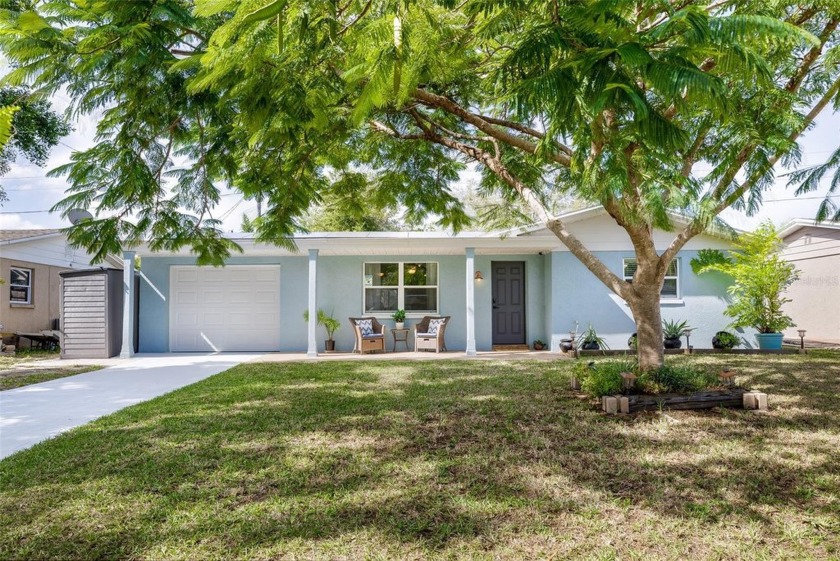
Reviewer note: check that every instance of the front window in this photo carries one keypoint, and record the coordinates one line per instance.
(411, 286)
(20, 286)
(671, 286)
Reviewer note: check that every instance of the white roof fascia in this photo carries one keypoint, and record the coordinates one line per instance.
(394, 243)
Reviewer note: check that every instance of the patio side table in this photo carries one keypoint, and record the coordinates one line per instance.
(400, 336)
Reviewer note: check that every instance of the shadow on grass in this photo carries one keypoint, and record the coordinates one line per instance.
(423, 457)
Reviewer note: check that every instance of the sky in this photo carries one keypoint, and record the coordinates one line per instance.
(31, 193)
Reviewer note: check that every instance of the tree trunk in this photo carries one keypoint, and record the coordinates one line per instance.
(648, 318)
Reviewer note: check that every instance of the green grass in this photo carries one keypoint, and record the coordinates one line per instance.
(448, 459)
(23, 368)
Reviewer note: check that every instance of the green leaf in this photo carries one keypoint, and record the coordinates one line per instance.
(208, 8)
(266, 12)
(6, 115)
(31, 21)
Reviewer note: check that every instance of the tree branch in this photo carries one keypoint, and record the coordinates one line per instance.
(357, 19)
(810, 58)
(440, 102)
(524, 130)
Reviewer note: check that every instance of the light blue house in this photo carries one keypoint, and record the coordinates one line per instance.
(499, 289)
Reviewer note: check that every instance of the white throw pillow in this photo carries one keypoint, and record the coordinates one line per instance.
(365, 326)
(434, 325)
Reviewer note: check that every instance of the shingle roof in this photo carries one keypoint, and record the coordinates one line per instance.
(10, 235)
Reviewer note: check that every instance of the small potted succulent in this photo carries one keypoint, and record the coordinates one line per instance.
(725, 340)
(399, 319)
(538, 345)
(672, 333)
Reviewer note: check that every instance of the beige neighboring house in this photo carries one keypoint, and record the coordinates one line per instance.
(30, 261)
(815, 298)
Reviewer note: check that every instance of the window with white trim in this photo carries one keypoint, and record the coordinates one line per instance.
(409, 286)
(671, 286)
(20, 286)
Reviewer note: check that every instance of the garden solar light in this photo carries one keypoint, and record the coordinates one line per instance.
(801, 338)
(727, 376)
(629, 379)
(687, 332)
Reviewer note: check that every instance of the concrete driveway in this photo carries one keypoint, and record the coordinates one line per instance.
(34, 413)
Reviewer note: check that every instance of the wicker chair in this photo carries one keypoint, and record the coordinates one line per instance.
(372, 342)
(426, 339)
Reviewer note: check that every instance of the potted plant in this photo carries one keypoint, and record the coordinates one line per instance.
(399, 319)
(760, 278)
(725, 340)
(589, 340)
(330, 324)
(538, 345)
(672, 332)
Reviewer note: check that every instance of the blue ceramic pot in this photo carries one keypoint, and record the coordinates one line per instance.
(769, 341)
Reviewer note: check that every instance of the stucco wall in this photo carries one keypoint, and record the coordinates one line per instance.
(340, 286)
(559, 292)
(580, 297)
(815, 297)
(45, 298)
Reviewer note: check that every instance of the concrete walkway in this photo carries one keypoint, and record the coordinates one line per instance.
(34, 413)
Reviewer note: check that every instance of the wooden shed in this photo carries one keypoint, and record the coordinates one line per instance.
(91, 313)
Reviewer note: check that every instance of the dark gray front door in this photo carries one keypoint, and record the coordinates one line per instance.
(508, 280)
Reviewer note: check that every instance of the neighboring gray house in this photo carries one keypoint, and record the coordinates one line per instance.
(815, 298)
(499, 289)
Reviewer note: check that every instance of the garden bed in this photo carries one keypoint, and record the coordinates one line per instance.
(708, 399)
(734, 398)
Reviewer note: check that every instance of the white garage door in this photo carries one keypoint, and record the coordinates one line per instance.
(234, 308)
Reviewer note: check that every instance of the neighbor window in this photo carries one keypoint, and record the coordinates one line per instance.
(412, 287)
(20, 286)
(671, 286)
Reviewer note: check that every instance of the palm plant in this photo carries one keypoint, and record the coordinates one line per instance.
(330, 324)
(760, 278)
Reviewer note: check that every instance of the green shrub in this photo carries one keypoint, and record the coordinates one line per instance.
(676, 378)
(725, 340)
(604, 378)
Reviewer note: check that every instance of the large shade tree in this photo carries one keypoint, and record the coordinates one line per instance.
(29, 128)
(614, 102)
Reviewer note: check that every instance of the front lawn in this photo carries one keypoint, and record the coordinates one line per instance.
(447, 459)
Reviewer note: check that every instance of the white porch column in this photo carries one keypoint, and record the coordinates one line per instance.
(312, 346)
(127, 350)
(470, 301)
